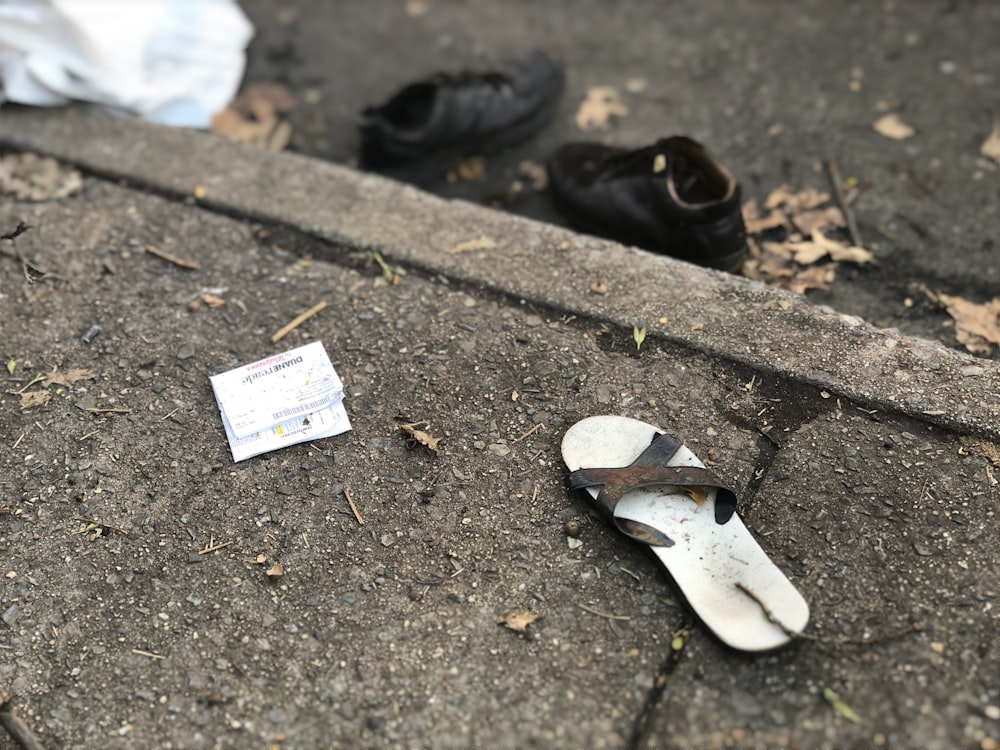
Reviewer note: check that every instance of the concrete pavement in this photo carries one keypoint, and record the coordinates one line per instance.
(861, 456)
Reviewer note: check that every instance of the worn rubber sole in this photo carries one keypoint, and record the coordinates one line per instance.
(727, 578)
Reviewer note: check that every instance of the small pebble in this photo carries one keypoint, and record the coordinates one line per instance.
(572, 528)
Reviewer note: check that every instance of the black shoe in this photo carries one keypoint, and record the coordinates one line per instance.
(671, 198)
(471, 114)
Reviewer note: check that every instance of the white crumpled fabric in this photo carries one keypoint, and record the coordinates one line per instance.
(174, 62)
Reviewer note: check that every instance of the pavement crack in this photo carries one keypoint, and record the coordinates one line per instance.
(642, 725)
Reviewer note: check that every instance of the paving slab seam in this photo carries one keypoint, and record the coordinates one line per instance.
(723, 316)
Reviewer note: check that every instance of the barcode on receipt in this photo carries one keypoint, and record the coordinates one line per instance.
(299, 409)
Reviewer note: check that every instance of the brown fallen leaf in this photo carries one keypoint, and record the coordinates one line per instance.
(469, 169)
(518, 621)
(891, 126)
(34, 178)
(991, 146)
(812, 219)
(597, 109)
(424, 438)
(68, 378)
(275, 571)
(819, 246)
(980, 447)
(814, 277)
(698, 494)
(777, 197)
(535, 172)
(756, 223)
(212, 301)
(31, 399)
(254, 117)
(976, 326)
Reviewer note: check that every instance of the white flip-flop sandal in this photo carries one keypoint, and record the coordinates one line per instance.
(657, 492)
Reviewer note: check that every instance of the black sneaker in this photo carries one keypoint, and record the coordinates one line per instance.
(672, 198)
(451, 116)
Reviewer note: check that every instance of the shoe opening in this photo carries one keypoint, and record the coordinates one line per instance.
(412, 107)
(697, 178)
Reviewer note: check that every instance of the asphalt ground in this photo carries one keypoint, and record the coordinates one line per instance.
(773, 89)
(864, 460)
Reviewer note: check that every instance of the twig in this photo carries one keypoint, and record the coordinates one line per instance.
(37, 379)
(150, 654)
(585, 608)
(297, 322)
(833, 172)
(26, 265)
(532, 431)
(101, 524)
(15, 727)
(354, 508)
(214, 547)
(108, 410)
(182, 262)
(20, 229)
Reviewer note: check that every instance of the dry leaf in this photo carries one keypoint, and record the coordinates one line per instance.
(982, 448)
(424, 438)
(698, 494)
(976, 326)
(779, 196)
(808, 252)
(275, 571)
(480, 243)
(470, 169)
(254, 116)
(68, 378)
(778, 249)
(844, 253)
(599, 107)
(814, 277)
(819, 218)
(809, 198)
(260, 559)
(212, 301)
(31, 399)
(819, 246)
(32, 178)
(773, 220)
(518, 621)
(892, 127)
(535, 172)
(991, 146)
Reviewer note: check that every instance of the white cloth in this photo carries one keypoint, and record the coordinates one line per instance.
(175, 62)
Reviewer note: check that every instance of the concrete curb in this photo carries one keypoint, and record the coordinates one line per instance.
(722, 315)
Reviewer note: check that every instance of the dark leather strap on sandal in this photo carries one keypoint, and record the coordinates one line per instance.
(650, 469)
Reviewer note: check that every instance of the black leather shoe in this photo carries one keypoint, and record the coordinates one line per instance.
(672, 198)
(470, 114)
